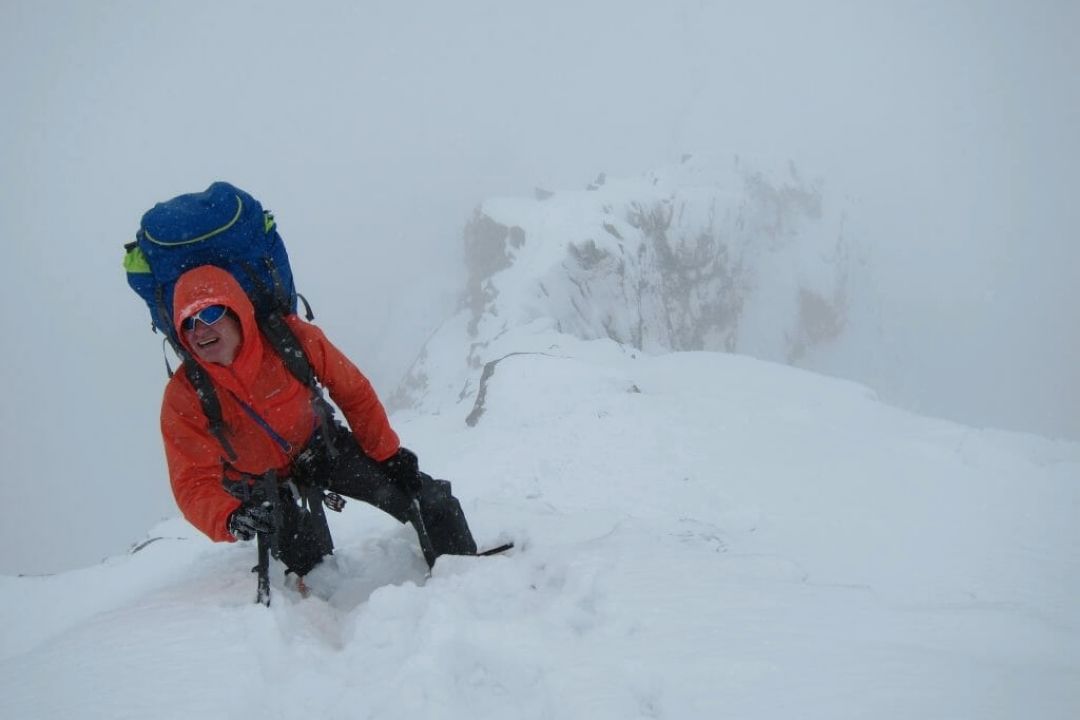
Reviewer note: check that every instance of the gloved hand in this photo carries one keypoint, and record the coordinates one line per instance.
(404, 469)
(249, 519)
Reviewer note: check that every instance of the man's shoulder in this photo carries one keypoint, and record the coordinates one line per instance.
(303, 329)
(179, 393)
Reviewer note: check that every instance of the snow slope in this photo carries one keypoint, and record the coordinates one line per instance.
(700, 535)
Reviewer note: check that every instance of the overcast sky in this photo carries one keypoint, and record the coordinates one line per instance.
(373, 129)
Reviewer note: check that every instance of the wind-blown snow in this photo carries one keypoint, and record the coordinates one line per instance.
(699, 535)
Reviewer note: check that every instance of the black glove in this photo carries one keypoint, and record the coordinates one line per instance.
(249, 519)
(404, 469)
(314, 465)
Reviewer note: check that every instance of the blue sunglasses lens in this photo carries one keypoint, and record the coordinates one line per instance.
(208, 315)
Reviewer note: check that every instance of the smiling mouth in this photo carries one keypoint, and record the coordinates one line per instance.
(207, 342)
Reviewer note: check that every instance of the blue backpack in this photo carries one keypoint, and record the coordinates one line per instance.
(226, 227)
(222, 226)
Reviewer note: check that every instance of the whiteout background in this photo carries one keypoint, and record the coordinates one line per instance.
(373, 130)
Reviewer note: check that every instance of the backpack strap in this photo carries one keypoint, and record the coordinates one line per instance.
(208, 398)
(284, 341)
(163, 317)
(308, 315)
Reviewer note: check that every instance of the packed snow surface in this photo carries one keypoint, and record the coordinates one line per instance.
(699, 535)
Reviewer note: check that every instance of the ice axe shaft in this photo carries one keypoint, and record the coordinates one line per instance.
(262, 595)
(417, 520)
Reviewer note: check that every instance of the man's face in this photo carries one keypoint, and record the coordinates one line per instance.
(217, 343)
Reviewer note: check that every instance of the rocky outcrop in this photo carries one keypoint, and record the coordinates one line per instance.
(692, 257)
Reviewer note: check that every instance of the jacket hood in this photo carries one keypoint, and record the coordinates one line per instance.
(209, 285)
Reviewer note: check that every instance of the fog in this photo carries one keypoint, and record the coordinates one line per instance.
(373, 129)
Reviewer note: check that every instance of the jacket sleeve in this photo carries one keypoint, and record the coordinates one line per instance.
(350, 390)
(194, 459)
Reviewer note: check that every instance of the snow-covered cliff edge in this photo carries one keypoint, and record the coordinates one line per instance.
(689, 257)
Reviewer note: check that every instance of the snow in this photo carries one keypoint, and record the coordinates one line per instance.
(699, 535)
(721, 254)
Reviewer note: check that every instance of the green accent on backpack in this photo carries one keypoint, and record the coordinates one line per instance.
(135, 261)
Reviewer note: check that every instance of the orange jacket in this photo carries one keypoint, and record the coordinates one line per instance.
(259, 378)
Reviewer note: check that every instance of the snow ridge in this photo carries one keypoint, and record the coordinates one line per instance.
(696, 256)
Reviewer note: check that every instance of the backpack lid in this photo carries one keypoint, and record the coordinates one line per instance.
(196, 216)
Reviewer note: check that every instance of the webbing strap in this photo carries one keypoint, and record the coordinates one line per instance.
(282, 442)
(165, 355)
(307, 307)
(288, 347)
(211, 406)
(163, 319)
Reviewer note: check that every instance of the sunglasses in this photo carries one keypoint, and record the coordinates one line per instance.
(208, 316)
